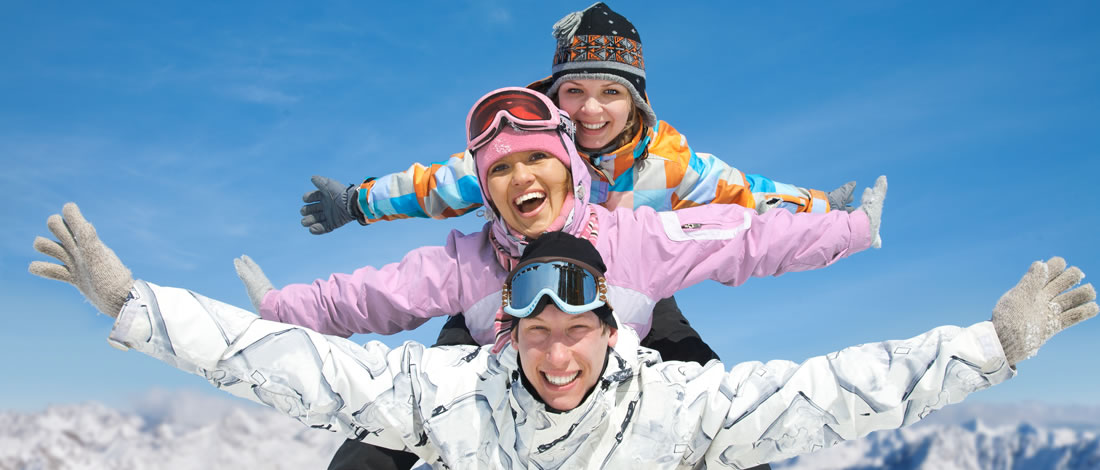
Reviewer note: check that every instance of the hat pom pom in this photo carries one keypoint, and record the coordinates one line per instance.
(566, 27)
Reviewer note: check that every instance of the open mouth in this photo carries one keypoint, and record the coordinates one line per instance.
(594, 127)
(526, 203)
(561, 381)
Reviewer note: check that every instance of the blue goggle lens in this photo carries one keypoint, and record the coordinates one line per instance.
(572, 288)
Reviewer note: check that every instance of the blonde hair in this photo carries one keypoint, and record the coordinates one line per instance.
(631, 129)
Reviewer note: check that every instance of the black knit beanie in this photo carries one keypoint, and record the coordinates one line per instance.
(599, 44)
(563, 245)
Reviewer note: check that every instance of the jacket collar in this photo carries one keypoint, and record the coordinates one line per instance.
(616, 162)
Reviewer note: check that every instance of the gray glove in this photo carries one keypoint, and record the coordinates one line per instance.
(86, 262)
(841, 198)
(1038, 308)
(255, 282)
(871, 203)
(330, 206)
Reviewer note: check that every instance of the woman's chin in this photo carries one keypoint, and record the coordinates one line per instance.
(533, 223)
(534, 231)
(592, 142)
(528, 228)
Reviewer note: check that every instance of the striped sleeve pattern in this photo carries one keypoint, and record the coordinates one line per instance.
(438, 191)
(674, 176)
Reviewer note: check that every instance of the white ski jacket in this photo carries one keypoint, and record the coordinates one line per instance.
(463, 407)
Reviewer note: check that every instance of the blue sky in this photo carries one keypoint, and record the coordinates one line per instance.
(188, 132)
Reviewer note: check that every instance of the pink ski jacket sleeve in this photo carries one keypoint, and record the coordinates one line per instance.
(722, 242)
(428, 282)
(650, 255)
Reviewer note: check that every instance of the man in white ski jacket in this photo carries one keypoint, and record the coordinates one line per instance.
(586, 395)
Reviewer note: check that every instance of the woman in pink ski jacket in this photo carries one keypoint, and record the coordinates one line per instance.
(534, 181)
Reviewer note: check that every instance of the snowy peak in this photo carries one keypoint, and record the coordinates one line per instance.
(94, 436)
(971, 445)
(188, 430)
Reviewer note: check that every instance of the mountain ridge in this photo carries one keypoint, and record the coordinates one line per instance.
(187, 430)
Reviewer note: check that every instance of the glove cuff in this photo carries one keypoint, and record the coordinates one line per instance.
(1019, 341)
(352, 204)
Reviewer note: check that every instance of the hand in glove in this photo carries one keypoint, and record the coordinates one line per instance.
(86, 262)
(331, 206)
(255, 282)
(841, 198)
(871, 203)
(1038, 307)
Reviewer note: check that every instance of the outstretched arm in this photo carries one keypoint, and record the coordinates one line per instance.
(764, 412)
(767, 412)
(709, 180)
(399, 296)
(364, 392)
(706, 179)
(770, 194)
(439, 190)
(730, 244)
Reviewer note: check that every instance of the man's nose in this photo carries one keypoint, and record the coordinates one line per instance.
(558, 355)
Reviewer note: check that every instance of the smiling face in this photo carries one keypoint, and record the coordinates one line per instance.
(562, 354)
(528, 189)
(601, 109)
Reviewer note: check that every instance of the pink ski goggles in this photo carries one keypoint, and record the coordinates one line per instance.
(522, 108)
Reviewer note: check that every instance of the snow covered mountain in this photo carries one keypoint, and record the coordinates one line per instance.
(970, 446)
(188, 430)
(167, 430)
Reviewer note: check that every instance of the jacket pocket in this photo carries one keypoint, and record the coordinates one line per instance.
(691, 224)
